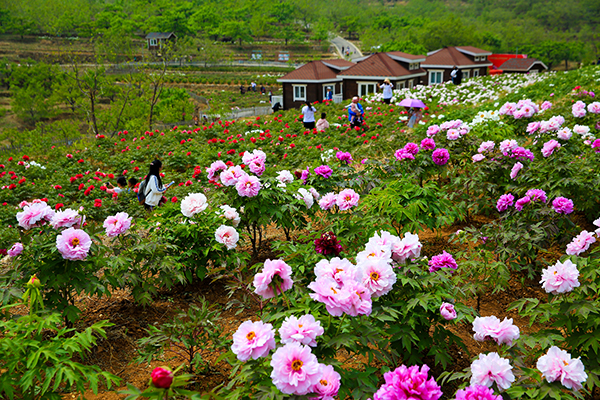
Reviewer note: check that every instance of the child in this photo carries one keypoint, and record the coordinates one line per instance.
(322, 124)
(131, 184)
(355, 113)
(121, 183)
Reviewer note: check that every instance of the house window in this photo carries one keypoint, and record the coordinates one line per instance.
(475, 73)
(476, 58)
(401, 85)
(436, 77)
(153, 42)
(364, 88)
(466, 73)
(482, 58)
(410, 84)
(299, 92)
(412, 66)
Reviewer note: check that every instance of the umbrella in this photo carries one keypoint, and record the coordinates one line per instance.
(412, 103)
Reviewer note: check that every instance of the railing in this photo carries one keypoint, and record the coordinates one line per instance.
(249, 112)
(338, 98)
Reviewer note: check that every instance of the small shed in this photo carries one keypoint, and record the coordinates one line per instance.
(156, 40)
(523, 66)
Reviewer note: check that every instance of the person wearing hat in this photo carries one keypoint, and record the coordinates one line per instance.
(387, 87)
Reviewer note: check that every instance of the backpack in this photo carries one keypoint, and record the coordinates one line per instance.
(141, 194)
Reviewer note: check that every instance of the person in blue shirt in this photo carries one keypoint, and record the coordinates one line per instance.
(329, 94)
(355, 113)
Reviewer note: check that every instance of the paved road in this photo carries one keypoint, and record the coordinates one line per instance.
(340, 42)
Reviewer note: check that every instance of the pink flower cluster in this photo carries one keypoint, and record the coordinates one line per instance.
(549, 147)
(275, 275)
(253, 340)
(560, 278)
(578, 109)
(557, 365)
(35, 214)
(477, 392)
(581, 243)
(491, 328)
(117, 224)
(345, 200)
(444, 260)
(255, 161)
(73, 244)
(552, 125)
(408, 383)
(491, 368)
(523, 109)
(562, 205)
(228, 236)
(193, 204)
(505, 201)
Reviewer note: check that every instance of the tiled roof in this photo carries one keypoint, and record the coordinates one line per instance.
(520, 64)
(473, 50)
(450, 56)
(159, 35)
(339, 62)
(313, 71)
(379, 65)
(407, 56)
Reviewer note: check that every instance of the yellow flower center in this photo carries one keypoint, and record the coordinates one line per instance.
(555, 272)
(250, 335)
(333, 290)
(347, 198)
(300, 326)
(75, 242)
(323, 382)
(566, 363)
(374, 276)
(297, 365)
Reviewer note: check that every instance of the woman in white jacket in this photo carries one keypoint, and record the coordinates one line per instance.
(154, 188)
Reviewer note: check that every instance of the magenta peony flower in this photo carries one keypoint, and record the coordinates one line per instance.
(477, 392)
(328, 244)
(275, 273)
(73, 244)
(447, 311)
(427, 144)
(402, 154)
(519, 204)
(378, 276)
(303, 330)
(433, 130)
(440, 156)
(515, 170)
(344, 157)
(162, 377)
(411, 148)
(491, 368)
(328, 385)
(347, 199)
(490, 328)
(15, 250)
(231, 175)
(444, 260)
(192, 204)
(549, 147)
(408, 383)
(66, 219)
(324, 170)
(117, 224)
(228, 236)
(560, 278)
(328, 201)
(580, 243)
(562, 205)
(253, 340)
(486, 147)
(536, 194)
(295, 369)
(248, 186)
(557, 364)
(505, 201)
(34, 215)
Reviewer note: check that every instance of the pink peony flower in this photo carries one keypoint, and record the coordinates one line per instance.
(536, 194)
(324, 170)
(408, 383)
(564, 133)
(303, 330)
(344, 157)
(549, 147)
(453, 134)
(34, 215)
(378, 277)
(257, 167)
(478, 157)
(486, 147)
(515, 170)
(447, 311)
(231, 176)
(444, 260)
(295, 369)
(248, 186)
(329, 292)
(477, 392)
(557, 364)
(402, 154)
(275, 273)
(407, 248)
(117, 224)
(162, 377)
(285, 176)
(433, 130)
(440, 156)
(532, 127)
(491, 368)
(562, 205)
(305, 196)
(231, 214)
(15, 250)
(505, 201)
(490, 328)
(328, 385)
(594, 107)
(228, 236)
(253, 340)
(214, 169)
(356, 299)
(546, 105)
(508, 145)
(328, 201)
(73, 244)
(560, 278)
(427, 144)
(347, 199)
(256, 155)
(522, 202)
(581, 243)
(337, 269)
(66, 219)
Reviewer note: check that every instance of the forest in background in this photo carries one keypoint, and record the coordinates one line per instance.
(553, 31)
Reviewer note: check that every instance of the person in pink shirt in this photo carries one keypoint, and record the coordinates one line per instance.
(322, 123)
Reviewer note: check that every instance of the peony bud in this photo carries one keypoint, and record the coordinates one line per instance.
(162, 377)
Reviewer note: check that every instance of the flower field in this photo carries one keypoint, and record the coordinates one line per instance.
(347, 263)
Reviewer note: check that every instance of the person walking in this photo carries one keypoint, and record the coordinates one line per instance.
(388, 93)
(453, 74)
(308, 112)
(415, 117)
(153, 188)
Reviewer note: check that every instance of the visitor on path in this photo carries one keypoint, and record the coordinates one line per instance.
(329, 94)
(262, 90)
(153, 188)
(415, 117)
(253, 85)
(322, 123)
(388, 93)
(355, 113)
(242, 89)
(308, 112)
(121, 184)
(456, 75)
(342, 50)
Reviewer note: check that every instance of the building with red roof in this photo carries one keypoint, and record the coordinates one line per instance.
(470, 60)
(523, 66)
